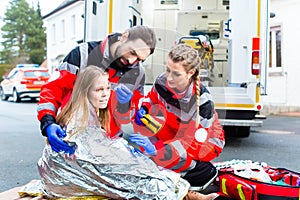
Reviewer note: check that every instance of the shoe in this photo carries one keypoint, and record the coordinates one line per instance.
(202, 188)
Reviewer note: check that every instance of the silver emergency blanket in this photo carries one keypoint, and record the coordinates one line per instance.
(106, 167)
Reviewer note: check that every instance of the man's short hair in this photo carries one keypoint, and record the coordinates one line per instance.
(144, 33)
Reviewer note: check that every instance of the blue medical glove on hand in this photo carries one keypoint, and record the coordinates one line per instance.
(144, 142)
(124, 94)
(55, 134)
(134, 151)
(138, 115)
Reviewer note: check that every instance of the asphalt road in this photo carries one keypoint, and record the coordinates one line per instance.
(277, 143)
(21, 144)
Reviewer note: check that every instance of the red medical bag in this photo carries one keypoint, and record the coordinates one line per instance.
(284, 184)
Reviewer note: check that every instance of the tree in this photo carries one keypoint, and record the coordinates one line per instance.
(36, 41)
(23, 33)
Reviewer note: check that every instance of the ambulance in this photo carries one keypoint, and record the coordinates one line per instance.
(237, 31)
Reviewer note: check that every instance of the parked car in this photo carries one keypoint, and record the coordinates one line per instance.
(23, 83)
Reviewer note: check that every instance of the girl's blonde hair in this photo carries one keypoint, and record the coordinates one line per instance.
(191, 61)
(78, 105)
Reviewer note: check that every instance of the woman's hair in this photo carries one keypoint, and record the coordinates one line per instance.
(144, 33)
(190, 59)
(78, 105)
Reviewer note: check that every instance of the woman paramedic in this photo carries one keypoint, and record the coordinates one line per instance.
(191, 135)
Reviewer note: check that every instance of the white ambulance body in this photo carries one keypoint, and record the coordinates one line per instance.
(106, 16)
(238, 31)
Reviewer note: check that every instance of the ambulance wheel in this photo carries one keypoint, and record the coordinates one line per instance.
(237, 131)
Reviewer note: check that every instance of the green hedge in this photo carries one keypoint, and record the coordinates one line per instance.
(4, 69)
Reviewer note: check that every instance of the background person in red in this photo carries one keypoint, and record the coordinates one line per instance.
(120, 55)
(191, 135)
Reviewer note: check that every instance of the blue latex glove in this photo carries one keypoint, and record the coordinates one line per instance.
(138, 115)
(134, 151)
(55, 134)
(124, 94)
(144, 142)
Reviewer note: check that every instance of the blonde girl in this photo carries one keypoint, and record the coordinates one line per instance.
(102, 166)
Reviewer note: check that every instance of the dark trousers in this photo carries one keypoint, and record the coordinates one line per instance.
(201, 174)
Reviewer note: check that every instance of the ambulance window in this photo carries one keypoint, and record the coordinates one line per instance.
(134, 20)
(225, 2)
(94, 8)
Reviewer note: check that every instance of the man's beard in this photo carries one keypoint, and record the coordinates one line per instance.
(116, 64)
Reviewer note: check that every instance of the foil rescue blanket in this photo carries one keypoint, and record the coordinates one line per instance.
(106, 167)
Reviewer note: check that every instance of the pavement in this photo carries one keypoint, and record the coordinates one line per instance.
(289, 114)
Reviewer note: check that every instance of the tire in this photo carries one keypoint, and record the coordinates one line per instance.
(16, 97)
(237, 131)
(33, 99)
(2, 95)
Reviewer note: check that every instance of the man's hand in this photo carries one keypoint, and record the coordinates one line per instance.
(55, 134)
(124, 94)
(138, 115)
(144, 142)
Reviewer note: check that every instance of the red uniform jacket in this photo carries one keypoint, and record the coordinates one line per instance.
(179, 143)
